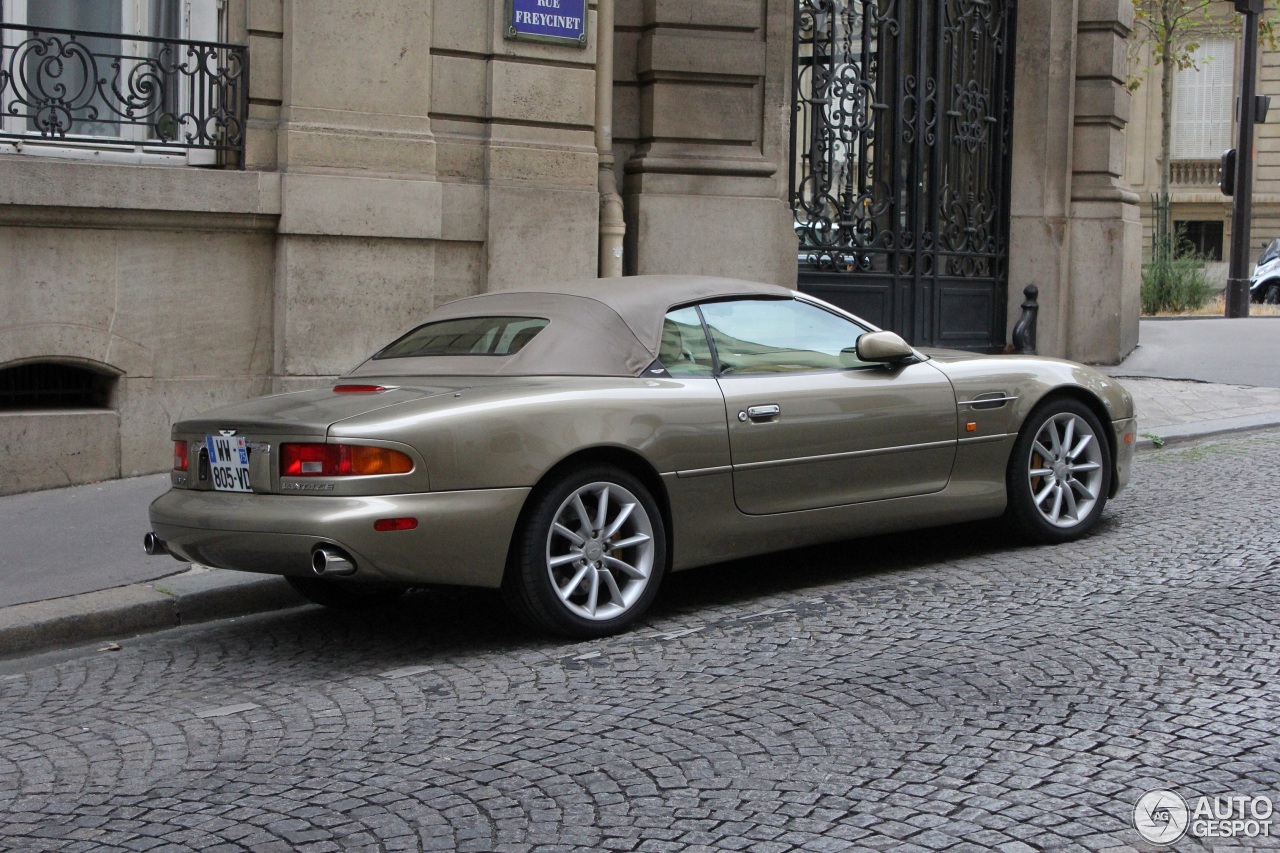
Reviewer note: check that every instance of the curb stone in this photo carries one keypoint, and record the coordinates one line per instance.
(1174, 433)
(197, 595)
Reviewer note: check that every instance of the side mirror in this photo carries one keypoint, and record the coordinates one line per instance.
(883, 347)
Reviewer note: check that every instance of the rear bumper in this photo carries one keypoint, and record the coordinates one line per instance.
(1126, 439)
(461, 538)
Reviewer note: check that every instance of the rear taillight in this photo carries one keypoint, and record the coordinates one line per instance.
(341, 460)
(179, 456)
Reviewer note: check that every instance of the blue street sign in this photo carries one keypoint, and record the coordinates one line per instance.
(559, 21)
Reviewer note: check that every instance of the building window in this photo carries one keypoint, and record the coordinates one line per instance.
(1203, 237)
(1203, 97)
(50, 385)
(127, 80)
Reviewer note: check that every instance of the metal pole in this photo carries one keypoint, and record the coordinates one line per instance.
(613, 226)
(1242, 215)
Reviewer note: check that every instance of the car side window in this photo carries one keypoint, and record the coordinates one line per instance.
(684, 350)
(780, 336)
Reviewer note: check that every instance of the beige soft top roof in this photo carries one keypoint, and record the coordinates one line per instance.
(597, 327)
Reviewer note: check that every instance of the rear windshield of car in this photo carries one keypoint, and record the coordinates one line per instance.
(467, 336)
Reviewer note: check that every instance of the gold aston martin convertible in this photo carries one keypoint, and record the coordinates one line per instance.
(570, 444)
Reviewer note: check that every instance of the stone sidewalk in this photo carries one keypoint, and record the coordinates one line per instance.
(1177, 409)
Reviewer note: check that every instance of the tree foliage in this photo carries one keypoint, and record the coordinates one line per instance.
(1172, 29)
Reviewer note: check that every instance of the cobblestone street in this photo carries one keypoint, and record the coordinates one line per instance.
(950, 689)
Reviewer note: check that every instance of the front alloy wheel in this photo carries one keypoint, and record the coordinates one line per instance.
(1060, 472)
(590, 556)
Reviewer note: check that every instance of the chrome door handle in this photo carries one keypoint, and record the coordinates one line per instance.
(763, 413)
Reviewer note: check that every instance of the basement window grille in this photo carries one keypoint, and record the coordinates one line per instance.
(49, 385)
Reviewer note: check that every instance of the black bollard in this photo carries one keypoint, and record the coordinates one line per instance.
(1024, 331)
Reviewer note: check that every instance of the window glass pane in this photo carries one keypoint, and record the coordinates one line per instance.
(101, 16)
(838, 61)
(467, 336)
(162, 61)
(1199, 237)
(63, 82)
(164, 19)
(779, 336)
(684, 350)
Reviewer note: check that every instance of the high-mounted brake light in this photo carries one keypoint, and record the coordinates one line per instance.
(359, 389)
(179, 456)
(341, 460)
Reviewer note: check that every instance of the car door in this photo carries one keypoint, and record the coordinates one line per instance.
(810, 425)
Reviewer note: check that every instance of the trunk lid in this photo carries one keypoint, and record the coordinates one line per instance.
(303, 413)
(253, 431)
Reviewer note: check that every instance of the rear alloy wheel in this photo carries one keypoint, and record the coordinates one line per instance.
(1059, 473)
(344, 595)
(589, 556)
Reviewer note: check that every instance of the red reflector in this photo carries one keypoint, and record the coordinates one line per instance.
(382, 525)
(358, 389)
(307, 460)
(179, 456)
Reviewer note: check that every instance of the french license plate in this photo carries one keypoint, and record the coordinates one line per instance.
(228, 463)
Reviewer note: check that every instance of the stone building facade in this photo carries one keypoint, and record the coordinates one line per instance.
(1205, 126)
(402, 153)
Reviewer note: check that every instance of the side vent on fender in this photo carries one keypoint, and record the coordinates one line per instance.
(989, 400)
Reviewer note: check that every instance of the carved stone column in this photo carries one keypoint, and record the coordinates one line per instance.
(1106, 229)
(1040, 196)
(360, 203)
(705, 186)
(1074, 229)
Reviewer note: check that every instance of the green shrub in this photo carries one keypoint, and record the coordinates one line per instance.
(1174, 282)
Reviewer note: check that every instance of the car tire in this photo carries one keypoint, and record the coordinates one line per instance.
(344, 595)
(588, 555)
(1059, 474)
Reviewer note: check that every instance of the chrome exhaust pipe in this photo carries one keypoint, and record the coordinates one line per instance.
(330, 561)
(154, 546)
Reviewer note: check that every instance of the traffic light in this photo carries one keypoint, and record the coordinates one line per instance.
(1227, 173)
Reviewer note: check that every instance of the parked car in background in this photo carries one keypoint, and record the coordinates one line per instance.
(1265, 284)
(571, 444)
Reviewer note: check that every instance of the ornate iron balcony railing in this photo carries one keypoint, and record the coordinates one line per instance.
(64, 85)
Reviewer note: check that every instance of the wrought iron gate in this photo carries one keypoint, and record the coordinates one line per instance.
(900, 163)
